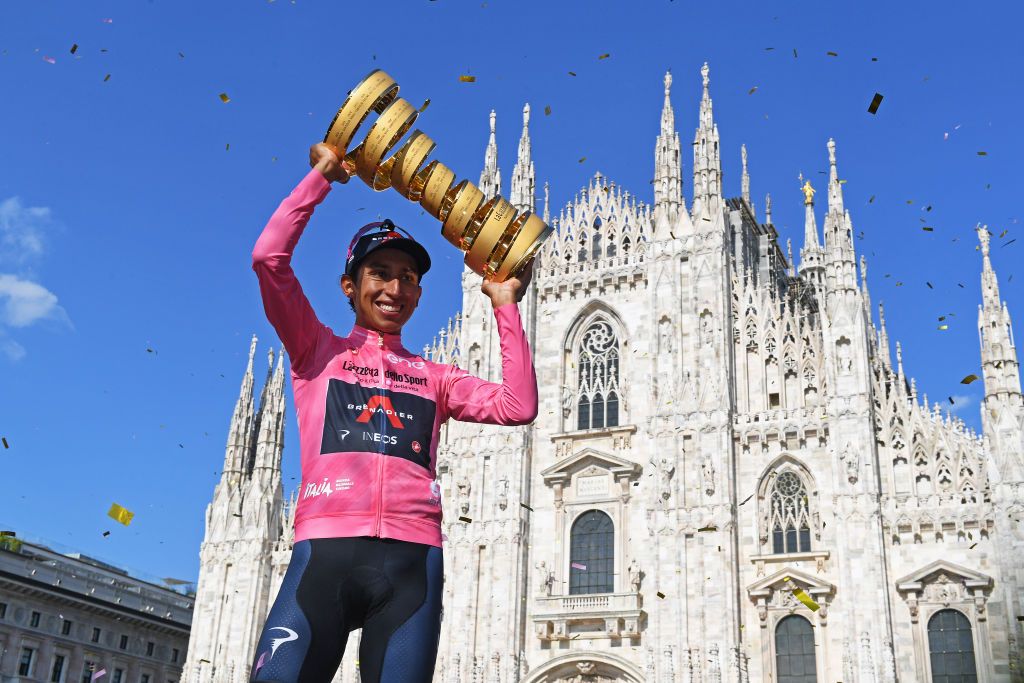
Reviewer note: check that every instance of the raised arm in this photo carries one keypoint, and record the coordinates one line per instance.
(286, 306)
(514, 400)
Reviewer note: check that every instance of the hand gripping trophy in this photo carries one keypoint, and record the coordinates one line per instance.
(498, 241)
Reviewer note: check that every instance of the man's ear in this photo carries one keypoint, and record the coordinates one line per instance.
(348, 285)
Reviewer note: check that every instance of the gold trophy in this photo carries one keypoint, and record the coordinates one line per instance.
(498, 240)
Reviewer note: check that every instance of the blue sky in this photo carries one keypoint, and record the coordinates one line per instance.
(129, 206)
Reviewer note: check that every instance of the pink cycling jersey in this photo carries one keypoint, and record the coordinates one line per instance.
(369, 410)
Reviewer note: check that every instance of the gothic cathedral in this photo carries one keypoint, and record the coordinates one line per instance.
(730, 478)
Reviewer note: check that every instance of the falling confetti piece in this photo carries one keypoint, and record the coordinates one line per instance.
(752, 90)
(874, 59)
(803, 597)
(108, 21)
(4, 439)
(227, 146)
(1008, 243)
(524, 505)
(106, 78)
(982, 154)
(661, 595)
(99, 674)
(582, 159)
(467, 79)
(973, 546)
(930, 286)
(577, 565)
(426, 103)
(572, 73)
(875, 101)
(120, 514)
(547, 111)
(832, 54)
(943, 327)
(106, 533)
(927, 229)
(465, 519)
(182, 55)
(747, 498)
(794, 53)
(51, 60)
(968, 379)
(224, 98)
(74, 48)
(951, 401)
(606, 55)
(871, 199)
(708, 528)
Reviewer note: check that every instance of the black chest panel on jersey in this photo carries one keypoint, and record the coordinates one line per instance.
(377, 420)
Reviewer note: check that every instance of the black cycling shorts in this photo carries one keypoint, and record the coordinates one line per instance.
(391, 589)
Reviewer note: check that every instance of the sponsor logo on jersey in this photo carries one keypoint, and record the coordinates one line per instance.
(368, 419)
(418, 364)
(275, 643)
(326, 487)
(360, 370)
(404, 378)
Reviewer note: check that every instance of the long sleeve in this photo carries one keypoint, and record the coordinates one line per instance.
(286, 306)
(514, 401)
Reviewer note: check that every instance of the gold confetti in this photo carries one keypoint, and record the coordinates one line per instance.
(463, 518)
(929, 285)
(227, 146)
(746, 499)
(4, 439)
(707, 528)
(547, 111)
(803, 597)
(526, 506)
(794, 53)
(871, 199)
(105, 534)
(982, 154)
(467, 79)
(968, 379)
(224, 98)
(927, 229)
(74, 48)
(661, 595)
(106, 78)
(752, 90)
(582, 159)
(832, 54)
(973, 546)
(875, 101)
(951, 401)
(943, 327)
(122, 515)
(426, 103)
(572, 73)
(606, 55)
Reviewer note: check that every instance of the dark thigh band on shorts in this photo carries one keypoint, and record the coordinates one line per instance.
(390, 589)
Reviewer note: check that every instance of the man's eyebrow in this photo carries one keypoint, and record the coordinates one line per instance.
(383, 264)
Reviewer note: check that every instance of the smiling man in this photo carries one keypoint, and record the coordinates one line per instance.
(367, 550)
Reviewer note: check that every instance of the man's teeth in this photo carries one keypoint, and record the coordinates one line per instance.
(389, 308)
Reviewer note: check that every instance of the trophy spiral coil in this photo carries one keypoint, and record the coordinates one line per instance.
(498, 240)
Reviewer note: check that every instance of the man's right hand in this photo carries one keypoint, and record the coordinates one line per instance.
(326, 159)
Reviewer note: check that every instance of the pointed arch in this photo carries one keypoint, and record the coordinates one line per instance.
(593, 351)
(787, 507)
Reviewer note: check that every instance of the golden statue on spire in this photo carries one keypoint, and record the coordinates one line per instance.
(808, 192)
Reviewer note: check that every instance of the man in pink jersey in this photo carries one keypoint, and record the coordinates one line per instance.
(367, 550)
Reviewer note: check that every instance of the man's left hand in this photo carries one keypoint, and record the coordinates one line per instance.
(511, 290)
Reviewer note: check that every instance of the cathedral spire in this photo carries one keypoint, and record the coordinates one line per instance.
(768, 210)
(883, 335)
(789, 257)
(490, 177)
(523, 183)
(547, 214)
(835, 188)
(239, 433)
(811, 256)
(864, 287)
(668, 192)
(1003, 412)
(270, 441)
(745, 179)
(707, 163)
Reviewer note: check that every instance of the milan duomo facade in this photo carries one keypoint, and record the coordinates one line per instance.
(731, 478)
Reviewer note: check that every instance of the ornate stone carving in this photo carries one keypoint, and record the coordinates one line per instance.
(635, 575)
(707, 475)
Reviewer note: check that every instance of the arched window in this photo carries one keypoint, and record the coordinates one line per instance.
(598, 383)
(592, 554)
(952, 648)
(794, 651)
(790, 520)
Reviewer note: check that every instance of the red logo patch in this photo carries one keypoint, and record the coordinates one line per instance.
(381, 403)
(416, 446)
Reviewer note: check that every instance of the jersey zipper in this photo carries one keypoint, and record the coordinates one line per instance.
(384, 431)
